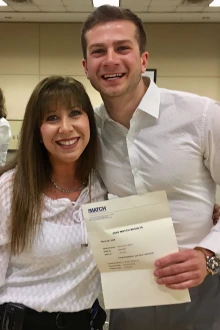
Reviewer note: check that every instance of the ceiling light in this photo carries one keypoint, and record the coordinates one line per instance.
(215, 3)
(98, 3)
(2, 3)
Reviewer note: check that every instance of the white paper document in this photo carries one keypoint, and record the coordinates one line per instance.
(127, 236)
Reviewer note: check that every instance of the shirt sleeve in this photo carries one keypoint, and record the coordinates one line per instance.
(5, 246)
(212, 163)
(212, 141)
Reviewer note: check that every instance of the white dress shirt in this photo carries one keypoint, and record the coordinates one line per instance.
(173, 144)
(5, 135)
(57, 274)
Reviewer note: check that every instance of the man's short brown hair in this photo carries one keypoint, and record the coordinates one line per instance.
(108, 13)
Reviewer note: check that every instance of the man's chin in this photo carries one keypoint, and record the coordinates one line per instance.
(110, 93)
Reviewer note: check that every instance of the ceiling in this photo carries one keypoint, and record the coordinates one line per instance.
(77, 10)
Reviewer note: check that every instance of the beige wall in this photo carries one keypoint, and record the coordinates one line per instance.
(187, 57)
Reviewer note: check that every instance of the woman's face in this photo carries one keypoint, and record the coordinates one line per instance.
(65, 134)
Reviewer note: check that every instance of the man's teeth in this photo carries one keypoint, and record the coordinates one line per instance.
(67, 143)
(113, 76)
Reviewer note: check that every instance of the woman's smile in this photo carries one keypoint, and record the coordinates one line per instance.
(68, 143)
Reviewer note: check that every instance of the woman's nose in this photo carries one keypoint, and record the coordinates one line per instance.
(66, 125)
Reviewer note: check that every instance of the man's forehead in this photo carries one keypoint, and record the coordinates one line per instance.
(115, 42)
(116, 31)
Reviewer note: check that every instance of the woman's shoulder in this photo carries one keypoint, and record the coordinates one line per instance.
(6, 190)
(6, 179)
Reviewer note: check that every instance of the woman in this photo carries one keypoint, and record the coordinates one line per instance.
(5, 132)
(48, 278)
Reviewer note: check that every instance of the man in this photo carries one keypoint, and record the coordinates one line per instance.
(157, 139)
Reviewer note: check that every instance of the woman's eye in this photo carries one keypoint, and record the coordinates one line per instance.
(75, 113)
(51, 118)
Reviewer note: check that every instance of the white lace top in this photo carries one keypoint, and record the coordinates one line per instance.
(57, 274)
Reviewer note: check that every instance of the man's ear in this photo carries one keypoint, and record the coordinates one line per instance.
(85, 67)
(144, 61)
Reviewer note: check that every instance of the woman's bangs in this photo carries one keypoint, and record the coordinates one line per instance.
(63, 98)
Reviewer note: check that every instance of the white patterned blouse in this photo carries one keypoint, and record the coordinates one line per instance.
(58, 273)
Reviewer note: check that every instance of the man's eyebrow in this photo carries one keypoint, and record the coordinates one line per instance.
(96, 45)
(116, 42)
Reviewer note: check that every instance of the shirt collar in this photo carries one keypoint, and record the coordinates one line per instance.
(150, 102)
(104, 113)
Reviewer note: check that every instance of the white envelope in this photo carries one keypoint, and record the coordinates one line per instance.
(127, 235)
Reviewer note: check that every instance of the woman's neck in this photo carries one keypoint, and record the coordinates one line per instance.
(63, 183)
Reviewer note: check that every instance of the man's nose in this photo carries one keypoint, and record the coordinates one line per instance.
(111, 57)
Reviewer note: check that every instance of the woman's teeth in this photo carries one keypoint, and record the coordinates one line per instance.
(67, 143)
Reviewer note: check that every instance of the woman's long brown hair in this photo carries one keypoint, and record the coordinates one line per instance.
(33, 167)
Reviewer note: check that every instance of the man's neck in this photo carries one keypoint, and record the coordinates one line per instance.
(121, 108)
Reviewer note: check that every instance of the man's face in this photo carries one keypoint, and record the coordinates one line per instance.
(114, 63)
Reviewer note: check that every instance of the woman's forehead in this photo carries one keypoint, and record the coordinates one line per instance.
(62, 96)
(61, 107)
(56, 103)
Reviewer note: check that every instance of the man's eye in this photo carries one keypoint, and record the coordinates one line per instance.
(121, 48)
(51, 118)
(98, 51)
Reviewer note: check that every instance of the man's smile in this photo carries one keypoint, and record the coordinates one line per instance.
(113, 76)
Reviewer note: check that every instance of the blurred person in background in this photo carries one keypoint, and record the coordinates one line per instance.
(5, 131)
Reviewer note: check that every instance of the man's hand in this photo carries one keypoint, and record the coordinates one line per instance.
(181, 270)
(216, 214)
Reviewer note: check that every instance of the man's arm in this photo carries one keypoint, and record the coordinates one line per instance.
(198, 272)
(187, 268)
